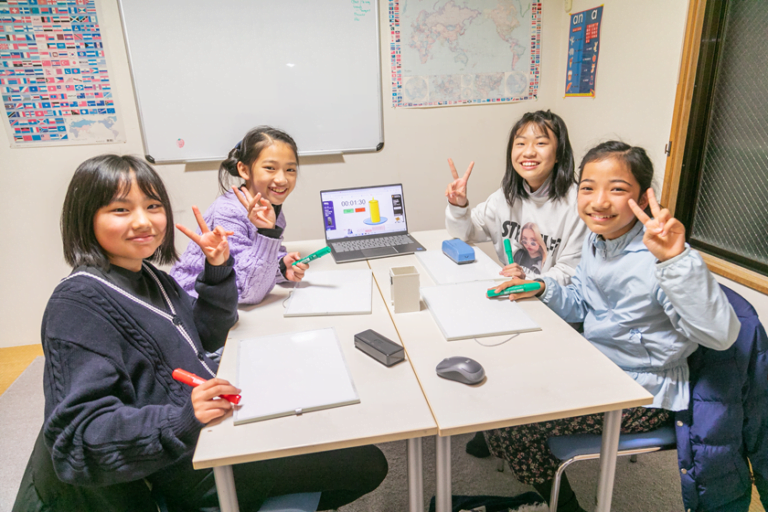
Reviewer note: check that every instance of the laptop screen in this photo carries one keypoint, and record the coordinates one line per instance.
(354, 212)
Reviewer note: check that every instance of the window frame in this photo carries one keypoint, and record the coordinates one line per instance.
(693, 100)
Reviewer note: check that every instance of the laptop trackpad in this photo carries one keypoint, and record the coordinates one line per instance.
(378, 251)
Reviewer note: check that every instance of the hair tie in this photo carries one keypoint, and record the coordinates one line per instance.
(239, 150)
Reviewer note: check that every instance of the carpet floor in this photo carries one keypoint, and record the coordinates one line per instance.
(650, 484)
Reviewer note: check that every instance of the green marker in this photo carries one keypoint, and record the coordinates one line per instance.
(508, 250)
(322, 252)
(526, 287)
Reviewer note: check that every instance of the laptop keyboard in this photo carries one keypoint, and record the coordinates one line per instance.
(371, 243)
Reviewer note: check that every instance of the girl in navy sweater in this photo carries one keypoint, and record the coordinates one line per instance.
(113, 332)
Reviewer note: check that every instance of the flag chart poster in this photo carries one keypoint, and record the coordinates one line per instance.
(583, 50)
(464, 52)
(54, 81)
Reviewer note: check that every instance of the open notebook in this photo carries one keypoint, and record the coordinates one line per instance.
(463, 311)
(292, 373)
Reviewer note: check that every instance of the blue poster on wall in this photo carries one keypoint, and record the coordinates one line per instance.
(583, 49)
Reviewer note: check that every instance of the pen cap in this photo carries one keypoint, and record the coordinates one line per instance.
(508, 251)
(186, 377)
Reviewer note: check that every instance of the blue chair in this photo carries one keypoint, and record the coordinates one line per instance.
(299, 502)
(573, 448)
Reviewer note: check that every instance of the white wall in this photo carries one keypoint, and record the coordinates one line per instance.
(636, 83)
(640, 48)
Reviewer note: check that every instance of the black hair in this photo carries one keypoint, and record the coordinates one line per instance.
(248, 150)
(95, 184)
(563, 171)
(635, 158)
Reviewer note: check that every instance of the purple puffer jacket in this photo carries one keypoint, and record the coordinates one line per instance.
(257, 257)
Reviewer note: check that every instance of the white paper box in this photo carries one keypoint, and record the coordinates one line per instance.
(404, 286)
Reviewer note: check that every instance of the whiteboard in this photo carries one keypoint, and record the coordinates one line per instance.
(463, 311)
(443, 270)
(204, 73)
(292, 373)
(332, 292)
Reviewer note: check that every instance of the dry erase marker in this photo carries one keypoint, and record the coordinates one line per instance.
(518, 288)
(193, 380)
(322, 252)
(508, 250)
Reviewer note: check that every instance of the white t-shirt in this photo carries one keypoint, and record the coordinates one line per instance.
(560, 228)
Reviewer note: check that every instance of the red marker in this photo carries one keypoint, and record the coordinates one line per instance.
(193, 380)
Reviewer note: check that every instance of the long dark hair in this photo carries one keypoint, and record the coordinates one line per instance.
(96, 183)
(248, 150)
(634, 157)
(562, 174)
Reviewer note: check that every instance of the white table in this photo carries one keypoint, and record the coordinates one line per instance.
(392, 406)
(538, 376)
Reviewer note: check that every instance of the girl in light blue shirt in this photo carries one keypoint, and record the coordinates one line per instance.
(646, 298)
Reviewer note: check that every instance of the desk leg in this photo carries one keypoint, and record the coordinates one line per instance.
(608, 455)
(415, 476)
(443, 494)
(225, 488)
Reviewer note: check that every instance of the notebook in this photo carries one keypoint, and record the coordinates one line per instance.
(463, 311)
(367, 223)
(331, 292)
(292, 373)
(443, 270)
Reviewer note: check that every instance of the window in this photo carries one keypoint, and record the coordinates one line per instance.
(718, 184)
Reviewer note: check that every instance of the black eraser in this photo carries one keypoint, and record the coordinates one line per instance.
(379, 347)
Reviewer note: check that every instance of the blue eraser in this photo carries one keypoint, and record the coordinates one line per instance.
(458, 251)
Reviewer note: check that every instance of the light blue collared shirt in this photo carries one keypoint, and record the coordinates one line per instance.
(645, 316)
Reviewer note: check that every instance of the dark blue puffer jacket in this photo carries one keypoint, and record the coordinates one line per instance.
(727, 420)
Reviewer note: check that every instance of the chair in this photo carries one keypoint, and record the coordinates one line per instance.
(299, 502)
(573, 448)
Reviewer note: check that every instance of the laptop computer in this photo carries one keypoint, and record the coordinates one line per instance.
(367, 223)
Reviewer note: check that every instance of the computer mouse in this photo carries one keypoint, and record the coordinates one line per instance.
(461, 369)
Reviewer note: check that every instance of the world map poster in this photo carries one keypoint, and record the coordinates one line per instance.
(54, 80)
(454, 52)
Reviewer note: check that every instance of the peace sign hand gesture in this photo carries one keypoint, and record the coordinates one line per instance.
(457, 189)
(260, 211)
(664, 234)
(213, 243)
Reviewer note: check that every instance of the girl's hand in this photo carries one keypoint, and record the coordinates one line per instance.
(513, 270)
(213, 243)
(457, 189)
(523, 295)
(294, 272)
(664, 234)
(260, 211)
(206, 402)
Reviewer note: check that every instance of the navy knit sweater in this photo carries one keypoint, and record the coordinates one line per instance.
(113, 413)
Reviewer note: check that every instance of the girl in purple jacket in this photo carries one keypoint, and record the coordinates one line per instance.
(267, 159)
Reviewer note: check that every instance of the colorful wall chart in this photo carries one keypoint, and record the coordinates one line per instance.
(583, 49)
(53, 74)
(460, 52)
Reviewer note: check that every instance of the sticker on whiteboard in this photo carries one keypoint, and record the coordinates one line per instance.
(180, 143)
